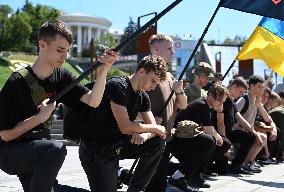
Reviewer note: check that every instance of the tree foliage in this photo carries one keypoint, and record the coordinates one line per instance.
(19, 30)
(105, 41)
(130, 48)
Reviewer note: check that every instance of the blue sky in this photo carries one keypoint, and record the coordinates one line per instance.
(188, 18)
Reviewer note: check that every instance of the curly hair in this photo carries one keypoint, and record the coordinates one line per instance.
(154, 63)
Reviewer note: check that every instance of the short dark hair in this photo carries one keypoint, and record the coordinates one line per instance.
(154, 63)
(281, 94)
(218, 90)
(50, 29)
(254, 79)
(239, 82)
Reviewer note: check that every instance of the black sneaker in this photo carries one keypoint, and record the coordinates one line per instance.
(181, 184)
(238, 171)
(125, 177)
(251, 168)
(198, 182)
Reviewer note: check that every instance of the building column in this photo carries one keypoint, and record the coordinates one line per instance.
(89, 34)
(79, 39)
(98, 33)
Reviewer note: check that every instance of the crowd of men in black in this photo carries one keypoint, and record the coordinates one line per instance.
(214, 132)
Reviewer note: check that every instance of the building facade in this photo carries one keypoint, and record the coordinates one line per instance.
(85, 27)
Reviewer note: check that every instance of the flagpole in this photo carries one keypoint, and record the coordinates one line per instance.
(228, 70)
(116, 49)
(192, 54)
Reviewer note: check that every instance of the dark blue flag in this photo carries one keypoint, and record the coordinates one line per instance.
(268, 8)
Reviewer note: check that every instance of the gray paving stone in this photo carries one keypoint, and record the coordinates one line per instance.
(271, 179)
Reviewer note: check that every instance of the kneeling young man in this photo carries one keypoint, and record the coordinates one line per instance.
(111, 133)
(194, 153)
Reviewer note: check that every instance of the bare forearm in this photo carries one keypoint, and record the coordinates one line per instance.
(21, 128)
(181, 101)
(136, 127)
(93, 98)
(221, 130)
(244, 123)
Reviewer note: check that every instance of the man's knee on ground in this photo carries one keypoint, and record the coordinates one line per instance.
(57, 150)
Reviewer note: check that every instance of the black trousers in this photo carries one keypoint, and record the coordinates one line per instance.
(221, 162)
(192, 153)
(246, 140)
(158, 182)
(36, 163)
(102, 172)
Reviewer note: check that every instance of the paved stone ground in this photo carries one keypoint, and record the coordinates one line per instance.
(271, 179)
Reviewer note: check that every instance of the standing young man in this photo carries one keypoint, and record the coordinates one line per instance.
(112, 134)
(25, 148)
(162, 45)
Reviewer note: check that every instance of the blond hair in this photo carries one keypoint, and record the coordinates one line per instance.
(159, 38)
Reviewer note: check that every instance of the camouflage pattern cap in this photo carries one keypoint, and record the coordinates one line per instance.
(204, 69)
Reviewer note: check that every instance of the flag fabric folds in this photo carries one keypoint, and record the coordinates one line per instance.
(266, 43)
(267, 8)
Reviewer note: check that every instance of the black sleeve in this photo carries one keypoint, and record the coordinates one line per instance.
(73, 96)
(205, 116)
(116, 91)
(146, 103)
(16, 103)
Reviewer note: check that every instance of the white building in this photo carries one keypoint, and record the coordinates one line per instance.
(84, 28)
(183, 50)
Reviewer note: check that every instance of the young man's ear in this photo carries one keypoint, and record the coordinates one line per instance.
(141, 70)
(41, 44)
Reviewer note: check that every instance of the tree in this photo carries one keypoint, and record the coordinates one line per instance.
(228, 41)
(130, 48)
(39, 15)
(105, 41)
(5, 26)
(20, 31)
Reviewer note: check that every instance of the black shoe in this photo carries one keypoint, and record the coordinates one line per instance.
(181, 184)
(239, 170)
(198, 182)
(251, 168)
(125, 177)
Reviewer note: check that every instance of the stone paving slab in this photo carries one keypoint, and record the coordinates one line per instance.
(271, 179)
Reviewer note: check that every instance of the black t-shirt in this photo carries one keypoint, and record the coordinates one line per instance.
(101, 125)
(197, 111)
(229, 110)
(16, 103)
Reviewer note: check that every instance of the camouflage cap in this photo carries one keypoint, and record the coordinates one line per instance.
(204, 69)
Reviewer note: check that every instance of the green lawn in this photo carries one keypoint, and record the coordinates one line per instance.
(4, 71)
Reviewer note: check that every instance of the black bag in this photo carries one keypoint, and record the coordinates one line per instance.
(75, 119)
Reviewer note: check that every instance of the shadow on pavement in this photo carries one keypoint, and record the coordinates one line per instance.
(66, 188)
(265, 183)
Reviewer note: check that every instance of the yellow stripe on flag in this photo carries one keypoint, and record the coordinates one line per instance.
(264, 45)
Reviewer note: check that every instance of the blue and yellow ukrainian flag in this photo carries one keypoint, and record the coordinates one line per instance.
(266, 43)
